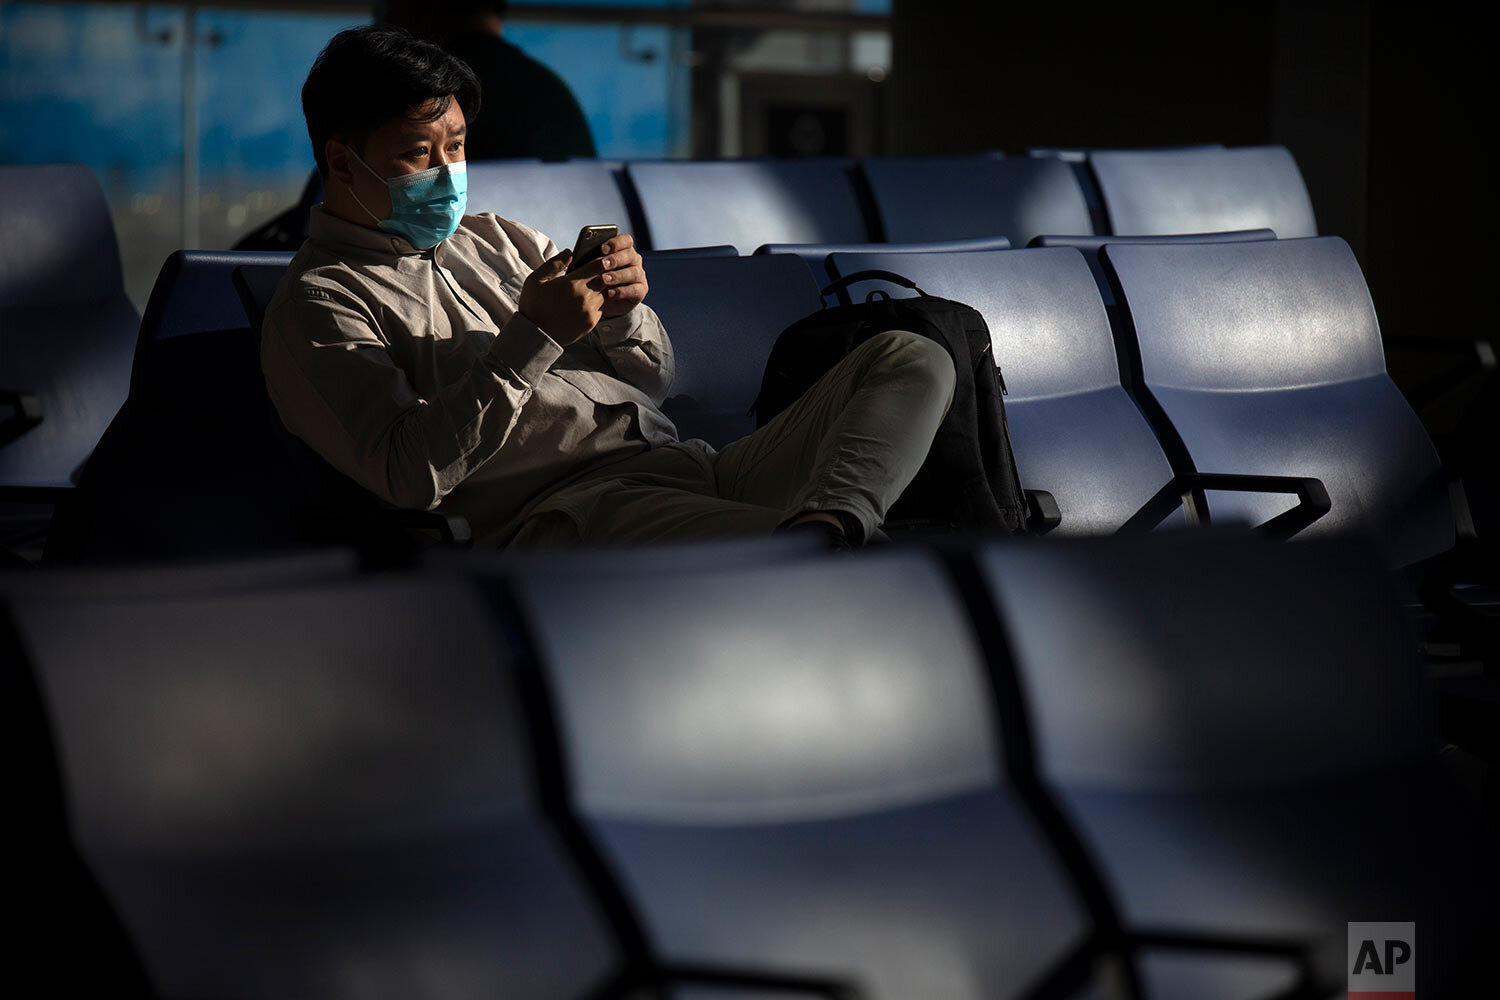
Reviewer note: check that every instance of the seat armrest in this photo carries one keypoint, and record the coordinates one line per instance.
(1471, 561)
(1042, 512)
(451, 529)
(25, 413)
(729, 980)
(1470, 360)
(36, 494)
(1312, 497)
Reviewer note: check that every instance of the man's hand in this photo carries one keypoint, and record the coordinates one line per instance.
(622, 277)
(565, 306)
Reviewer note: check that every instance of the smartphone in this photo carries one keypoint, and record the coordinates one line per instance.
(590, 241)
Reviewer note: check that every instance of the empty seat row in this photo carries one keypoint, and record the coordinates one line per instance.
(1277, 371)
(1173, 769)
(750, 203)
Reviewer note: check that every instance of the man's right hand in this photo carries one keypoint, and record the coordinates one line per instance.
(565, 306)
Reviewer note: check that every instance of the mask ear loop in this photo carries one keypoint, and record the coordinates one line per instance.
(371, 169)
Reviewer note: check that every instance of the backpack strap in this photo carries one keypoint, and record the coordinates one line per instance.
(857, 276)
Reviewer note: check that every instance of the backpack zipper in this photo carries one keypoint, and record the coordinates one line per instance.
(999, 375)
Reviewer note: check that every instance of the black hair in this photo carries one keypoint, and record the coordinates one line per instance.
(366, 76)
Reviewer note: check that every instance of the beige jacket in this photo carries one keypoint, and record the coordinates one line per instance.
(411, 372)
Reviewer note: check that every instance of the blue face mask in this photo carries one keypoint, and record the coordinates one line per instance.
(426, 206)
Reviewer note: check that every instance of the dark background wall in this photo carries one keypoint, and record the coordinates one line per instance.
(1384, 107)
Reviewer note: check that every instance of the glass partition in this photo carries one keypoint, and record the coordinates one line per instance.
(191, 117)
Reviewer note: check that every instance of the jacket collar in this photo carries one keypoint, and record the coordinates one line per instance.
(329, 229)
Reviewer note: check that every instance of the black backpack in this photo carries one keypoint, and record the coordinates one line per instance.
(969, 480)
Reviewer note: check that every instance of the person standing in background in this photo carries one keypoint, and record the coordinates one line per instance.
(528, 109)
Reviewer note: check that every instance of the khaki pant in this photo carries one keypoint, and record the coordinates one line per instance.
(852, 443)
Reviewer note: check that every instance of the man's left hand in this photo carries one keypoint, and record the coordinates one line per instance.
(623, 280)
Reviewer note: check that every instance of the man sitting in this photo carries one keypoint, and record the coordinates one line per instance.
(451, 361)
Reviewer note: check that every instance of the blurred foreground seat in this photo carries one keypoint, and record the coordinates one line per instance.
(1181, 762)
(801, 769)
(1243, 735)
(289, 787)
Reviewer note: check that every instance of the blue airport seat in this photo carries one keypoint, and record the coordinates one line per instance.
(1157, 192)
(299, 790)
(196, 466)
(256, 284)
(67, 330)
(191, 465)
(802, 772)
(1242, 734)
(747, 202)
(1076, 432)
(1080, 155)
(195, 297)
(690, 253)
(723, 315)
(815, 255)
(1091, 245)
(1265, 357)
(959, 197)
(556, 199)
